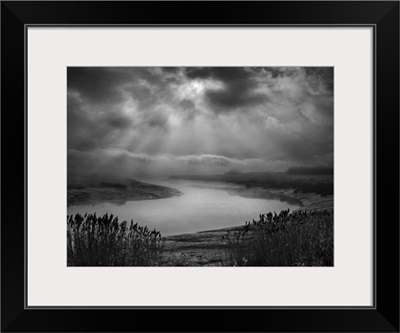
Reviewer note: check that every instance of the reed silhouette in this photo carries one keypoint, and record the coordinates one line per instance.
(103, 241)
(299, 238)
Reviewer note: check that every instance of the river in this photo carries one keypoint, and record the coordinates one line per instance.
(203, 206)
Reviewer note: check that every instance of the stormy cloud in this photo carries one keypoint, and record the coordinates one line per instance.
(134, 121)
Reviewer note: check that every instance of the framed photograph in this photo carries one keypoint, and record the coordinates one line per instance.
(234, 164)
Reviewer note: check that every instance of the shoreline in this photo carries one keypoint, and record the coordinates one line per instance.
(309, 201)
(205, 248)
(134, 191)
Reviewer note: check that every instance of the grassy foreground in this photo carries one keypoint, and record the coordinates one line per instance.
(103, 241)
(299, 238)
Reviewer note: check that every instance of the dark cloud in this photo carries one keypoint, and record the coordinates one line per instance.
(97, 84)
(323, 75)
(171, 70)
(316, 77)
(156, 120)
(234, 96)
(90, 129)
(237, 87)
(274, 71)
(143, 95)
(198, 72)
(117, 121)
(167, 120)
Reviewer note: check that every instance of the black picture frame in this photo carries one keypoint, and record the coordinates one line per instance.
(383, 316)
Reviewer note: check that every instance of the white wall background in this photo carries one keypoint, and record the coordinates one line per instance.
(51, 50)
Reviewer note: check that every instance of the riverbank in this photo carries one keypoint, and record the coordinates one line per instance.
(302, 237)
(202, 248)
(118, 192)
(207, 248)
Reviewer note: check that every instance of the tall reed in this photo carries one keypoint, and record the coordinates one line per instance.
(299, 238)
(103, 241)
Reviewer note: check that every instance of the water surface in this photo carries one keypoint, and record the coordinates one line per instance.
(202, 206)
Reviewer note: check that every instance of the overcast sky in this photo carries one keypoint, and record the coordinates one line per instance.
(143, 121)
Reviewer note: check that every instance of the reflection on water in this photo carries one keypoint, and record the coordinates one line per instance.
(203, 206)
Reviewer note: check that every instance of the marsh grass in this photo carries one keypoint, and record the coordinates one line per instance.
(300, 238)
(103, 241)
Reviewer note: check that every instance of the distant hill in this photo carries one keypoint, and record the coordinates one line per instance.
(310, 171)
(319, 183)
(81, 194)
(232, 172)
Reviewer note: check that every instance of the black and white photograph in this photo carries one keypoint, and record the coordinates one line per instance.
(200, 166)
